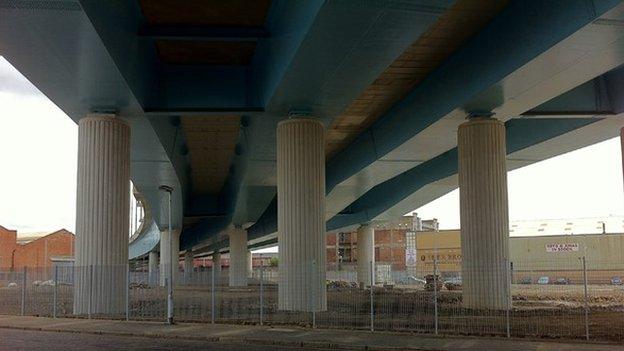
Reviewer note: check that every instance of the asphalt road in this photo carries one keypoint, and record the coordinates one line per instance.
(16, 340)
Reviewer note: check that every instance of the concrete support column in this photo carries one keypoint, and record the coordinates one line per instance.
(168, 257)
(188, 267)
(216, 266)
(301, 215)
(102, 215)
(249, 264)
(238, 256)
(484, 213)
(365, 253)
(152, 267)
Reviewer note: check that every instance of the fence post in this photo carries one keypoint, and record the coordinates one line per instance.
(507, 310)
(435, 296)
(586, 299)
(261, 291)
(128, 292)
(212, 295)
(170, 294)
(55, 297)
(90, 290)
(372, 306)
(24, 291)
(313, 298)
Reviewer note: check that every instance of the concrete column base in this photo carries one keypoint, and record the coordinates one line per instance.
(168, 257)
(238, 257)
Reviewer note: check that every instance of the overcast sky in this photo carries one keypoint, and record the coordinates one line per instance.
(38, 171)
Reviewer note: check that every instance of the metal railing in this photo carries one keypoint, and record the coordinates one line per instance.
(569, 299)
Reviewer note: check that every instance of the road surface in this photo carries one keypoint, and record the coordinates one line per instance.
(17, 340)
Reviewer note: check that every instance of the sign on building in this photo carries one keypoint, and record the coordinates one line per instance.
(562, 247)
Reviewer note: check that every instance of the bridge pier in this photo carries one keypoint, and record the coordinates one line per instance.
(188, 267)
(484, 214)
(102, 215)
(152, 267)
(301, 215)
(249, 264)
(169, 256)
(238, 256)
(365, 253)
(216, 267)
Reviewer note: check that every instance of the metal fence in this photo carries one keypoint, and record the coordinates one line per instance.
(569, 299)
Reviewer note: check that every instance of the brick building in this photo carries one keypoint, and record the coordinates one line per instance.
(40, 251)
(390, 245)
(8, 243)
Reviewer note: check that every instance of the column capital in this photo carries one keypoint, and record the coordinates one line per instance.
(480, 114)
(107, 117)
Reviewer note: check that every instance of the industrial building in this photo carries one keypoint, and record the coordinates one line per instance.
(34, 251)
(533, 254)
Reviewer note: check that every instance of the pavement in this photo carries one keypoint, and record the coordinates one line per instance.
(18, 340)
(254, 336)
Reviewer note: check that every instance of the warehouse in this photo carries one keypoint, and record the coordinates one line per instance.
(535, 251)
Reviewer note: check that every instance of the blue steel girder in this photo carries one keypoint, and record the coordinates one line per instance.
(524, 30)
(601, 96)
(315, 49)
(492, 71)
(520, 134)
(335, 54)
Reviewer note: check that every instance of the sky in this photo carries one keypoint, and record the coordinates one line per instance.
(38, 171)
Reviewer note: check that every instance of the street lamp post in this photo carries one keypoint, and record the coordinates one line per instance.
(169, 190)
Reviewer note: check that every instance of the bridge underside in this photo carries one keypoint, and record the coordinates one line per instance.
(203, 86)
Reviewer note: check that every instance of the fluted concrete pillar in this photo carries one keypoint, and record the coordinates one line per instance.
(238, 256)
(301, 215)
(169, 257)
(484, 213)
(365, 253)
(216, 266)
(249, 264)
(188, 267)
(152, 267)
(102, 215)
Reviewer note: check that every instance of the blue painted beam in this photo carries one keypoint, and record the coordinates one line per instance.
(601, 96)
(194, 88)
(520, 133)
(524, 29)
(195, 33)
(589, 99)
(224, 205)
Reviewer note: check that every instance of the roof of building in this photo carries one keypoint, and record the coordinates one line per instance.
(567, 226)
(564, 226)
(5, 229)
(27, 238)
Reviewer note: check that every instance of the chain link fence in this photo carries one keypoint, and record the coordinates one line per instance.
(575, 298)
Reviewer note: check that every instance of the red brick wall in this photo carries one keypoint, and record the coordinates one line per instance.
(389, 246)
(38, 253)
(7, 245)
